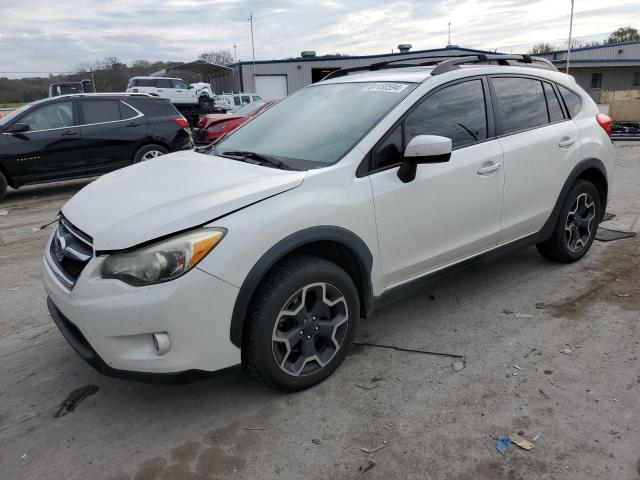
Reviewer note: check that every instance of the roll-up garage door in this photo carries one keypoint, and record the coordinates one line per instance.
(271, 87)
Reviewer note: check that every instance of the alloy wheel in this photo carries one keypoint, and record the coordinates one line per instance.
(150, 155)
(580, 222)
(310, 329)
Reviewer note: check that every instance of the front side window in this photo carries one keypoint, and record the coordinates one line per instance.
(100, 111)
(319, 124)
(56, 115)
(571, 100)
(596, 81)
(457, 112)
(177, 83)
(521, 103)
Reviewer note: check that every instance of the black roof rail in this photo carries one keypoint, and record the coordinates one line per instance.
(454, 63)
(451, 62)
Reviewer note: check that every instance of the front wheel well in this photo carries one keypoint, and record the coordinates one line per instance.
(8, 177)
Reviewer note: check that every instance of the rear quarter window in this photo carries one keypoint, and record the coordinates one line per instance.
(144, 82)
(571, 100)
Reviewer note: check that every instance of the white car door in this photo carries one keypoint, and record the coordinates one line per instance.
(183, 93)
(540, 144)
(165, 89)
(451, 210)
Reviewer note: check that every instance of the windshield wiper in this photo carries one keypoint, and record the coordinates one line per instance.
(259, 158)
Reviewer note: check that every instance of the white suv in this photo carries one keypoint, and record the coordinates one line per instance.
(175, 89)
(269, 250)
(234, 101)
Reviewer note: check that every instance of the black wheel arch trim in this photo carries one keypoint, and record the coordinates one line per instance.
(579, 169)
(287, 245)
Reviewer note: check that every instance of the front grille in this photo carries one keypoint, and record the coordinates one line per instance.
(68, 252)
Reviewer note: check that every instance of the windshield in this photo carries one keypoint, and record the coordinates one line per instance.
(250, 109)
(10, 115)
(318, 125)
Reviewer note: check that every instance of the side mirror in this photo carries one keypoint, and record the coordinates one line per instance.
(19, 128)
(423, 149)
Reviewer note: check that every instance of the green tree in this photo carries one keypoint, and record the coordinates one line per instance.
(623, 34)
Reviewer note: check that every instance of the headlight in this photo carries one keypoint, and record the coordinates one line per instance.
(162, 261)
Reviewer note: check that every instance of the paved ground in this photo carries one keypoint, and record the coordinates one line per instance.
(432, 422)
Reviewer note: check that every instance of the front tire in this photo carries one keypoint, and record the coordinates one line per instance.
(301, 323)
(203, 103)
(149, 152)
(577, 225)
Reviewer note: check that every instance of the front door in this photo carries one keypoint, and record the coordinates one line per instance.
(51, 147)
(451, 210)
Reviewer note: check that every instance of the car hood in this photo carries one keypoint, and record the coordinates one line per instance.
(169, 194)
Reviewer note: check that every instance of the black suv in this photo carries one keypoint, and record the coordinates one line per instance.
(86, 135)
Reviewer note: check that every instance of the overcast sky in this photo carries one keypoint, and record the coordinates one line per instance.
(53, 36)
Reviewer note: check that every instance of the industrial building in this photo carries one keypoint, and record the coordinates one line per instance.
(275, 79)
(609, 67)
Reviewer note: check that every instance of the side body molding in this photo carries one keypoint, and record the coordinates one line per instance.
(322, 233)
(590, 164)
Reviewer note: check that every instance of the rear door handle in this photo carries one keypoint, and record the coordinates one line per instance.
(566, 142)
(69, 133)
(133, 124)
(489, 168)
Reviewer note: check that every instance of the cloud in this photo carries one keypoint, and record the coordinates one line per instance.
(58, 39)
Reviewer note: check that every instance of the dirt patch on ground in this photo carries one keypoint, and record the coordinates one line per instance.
(615, 280)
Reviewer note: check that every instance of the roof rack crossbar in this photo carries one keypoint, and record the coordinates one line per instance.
(454, 63)
(451, 62)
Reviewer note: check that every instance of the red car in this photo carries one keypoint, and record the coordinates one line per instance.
(213, 126)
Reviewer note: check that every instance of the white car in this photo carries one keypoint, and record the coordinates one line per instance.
(270, 249)
(175, 89)
(234, 101)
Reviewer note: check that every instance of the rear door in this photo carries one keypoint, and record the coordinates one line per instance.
(112, 131)
(540, 144)
(50, 149)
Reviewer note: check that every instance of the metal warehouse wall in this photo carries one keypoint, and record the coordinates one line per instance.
(613, 78)
(298, 70)
(618, 52)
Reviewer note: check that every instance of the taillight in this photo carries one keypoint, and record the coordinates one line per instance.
(181, 121)
(605, 122)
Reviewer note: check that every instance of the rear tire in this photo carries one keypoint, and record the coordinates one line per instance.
(301, 323)
(577, 225)
(203, 103)
(149, 152)
(3, 186)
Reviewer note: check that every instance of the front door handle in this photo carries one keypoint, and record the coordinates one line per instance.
(493, 167)
(566, 142)
(69, 133)
(133, 124)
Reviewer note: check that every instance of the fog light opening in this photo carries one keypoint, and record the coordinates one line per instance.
(161, 342)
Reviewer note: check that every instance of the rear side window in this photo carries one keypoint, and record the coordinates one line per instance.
(555, 110)
(164, 83)
(144, 82)
(154, 107)
(100, 111)
(571, 100)
(126, 111)
(177, 83)
(521, 103)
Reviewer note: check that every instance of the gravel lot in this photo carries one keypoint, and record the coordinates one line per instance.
(432, 421)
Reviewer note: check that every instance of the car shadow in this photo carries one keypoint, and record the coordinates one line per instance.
(44, 190)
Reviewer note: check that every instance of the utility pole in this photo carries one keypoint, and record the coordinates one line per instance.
(235, 53)
(449, 37)
(253, 52)
(93, 82)
(570, 32)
